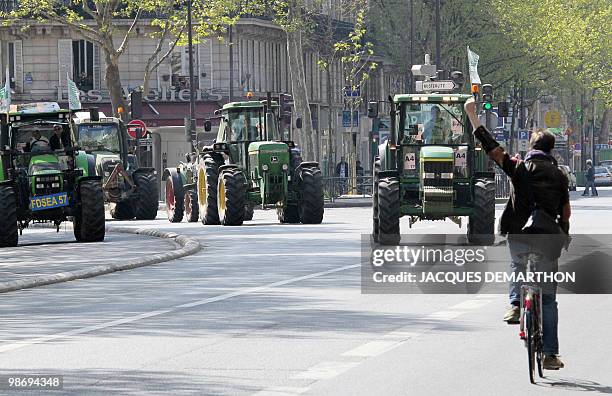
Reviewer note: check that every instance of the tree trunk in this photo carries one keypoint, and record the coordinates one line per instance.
(330, 120)
(604, 134)
(113, 83)
(300, 94)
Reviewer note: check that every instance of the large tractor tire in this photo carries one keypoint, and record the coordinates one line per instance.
(174, 201)
(481, 226)
(122, 210)
(249, 209)
(311, 204)
(208, 175)
(375, 227)
(190, 203)
(288, 214)
(389, 211)
(147, 201)
(231, 194)
(89, 221)
(9, 232)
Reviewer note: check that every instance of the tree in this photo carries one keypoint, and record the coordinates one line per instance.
(97, 21)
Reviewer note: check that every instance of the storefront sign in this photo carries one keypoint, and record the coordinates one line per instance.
(155, 95)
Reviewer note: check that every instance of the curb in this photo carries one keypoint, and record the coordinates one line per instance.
(189, 246)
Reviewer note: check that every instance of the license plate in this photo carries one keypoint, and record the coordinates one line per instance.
(49, 201)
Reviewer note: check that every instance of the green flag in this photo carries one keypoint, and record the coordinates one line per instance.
(5, 94)
(74, 101)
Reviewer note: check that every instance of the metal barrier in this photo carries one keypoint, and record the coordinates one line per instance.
(335, 187)
(502, 185)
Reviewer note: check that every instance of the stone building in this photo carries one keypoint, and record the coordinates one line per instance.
(40, 57)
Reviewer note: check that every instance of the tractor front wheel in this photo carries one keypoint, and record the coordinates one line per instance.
(147, 201)
(288, 214)
(122, 210)
(89, 221)
(9, 235)
(481, 226)
(311, 205)
(208, 175)
(249, 209)
(190, 203)
(389, 211)
(231, 195)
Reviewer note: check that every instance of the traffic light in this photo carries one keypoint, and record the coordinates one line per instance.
(285, 102)
(136, 104)
(487, 97)
(503, 109)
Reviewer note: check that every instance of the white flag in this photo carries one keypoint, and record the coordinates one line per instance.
(74, 100)
(473, 62)
(5, 94)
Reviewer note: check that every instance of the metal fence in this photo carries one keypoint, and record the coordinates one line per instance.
(335, 187)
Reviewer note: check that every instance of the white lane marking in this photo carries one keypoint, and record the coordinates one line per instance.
(471, 304)
(402, 335)
(445, 315)
(131, 319)
(282, 391)
(372, 348)
(326, 370)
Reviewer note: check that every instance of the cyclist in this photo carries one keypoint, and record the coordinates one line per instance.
(540, 174)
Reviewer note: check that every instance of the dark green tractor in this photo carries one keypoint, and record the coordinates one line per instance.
(130, 189)
(252, 163)
(44, 177)
(431, 169)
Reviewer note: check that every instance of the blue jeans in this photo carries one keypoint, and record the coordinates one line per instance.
(519, 251)
(590, 183)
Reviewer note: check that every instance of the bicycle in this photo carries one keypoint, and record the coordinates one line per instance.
(531, 327)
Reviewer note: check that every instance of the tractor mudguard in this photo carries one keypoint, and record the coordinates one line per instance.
(145, 170)
(308, 164)
(86, 162)
(229, 166)
(84, 178)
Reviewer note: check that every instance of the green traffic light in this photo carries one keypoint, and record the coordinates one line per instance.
(488, 106)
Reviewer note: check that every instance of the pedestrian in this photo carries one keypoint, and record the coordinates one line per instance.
(342, 172)
(590, 180)
(359, 174)
(537, 185)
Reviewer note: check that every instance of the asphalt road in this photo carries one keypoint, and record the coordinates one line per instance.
(277, 309)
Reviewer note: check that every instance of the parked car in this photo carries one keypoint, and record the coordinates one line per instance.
(571, 176)
(603, 176)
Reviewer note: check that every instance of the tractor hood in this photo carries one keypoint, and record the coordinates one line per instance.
(268, 148)
(46, 164)
(437, 153)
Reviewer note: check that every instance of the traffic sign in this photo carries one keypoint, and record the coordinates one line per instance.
(523, 140)
(435, 86)
(552, 119)
(134, 125)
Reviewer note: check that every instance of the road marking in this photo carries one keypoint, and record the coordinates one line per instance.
(445, 315)
(131, 319)
(326, 370)
(372, 348)
(281, 391)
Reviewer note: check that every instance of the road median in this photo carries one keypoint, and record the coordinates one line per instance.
(188, 246)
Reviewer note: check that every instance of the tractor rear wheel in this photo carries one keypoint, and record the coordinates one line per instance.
(288, 214)
(190, 203)
(389, 211)
(481, 226)
(9, 235)
(249, 209)
(147, 201)
(231, 195)
(375, 228)
(122, 210)
(174, 202)
(89, 221)
(311, 204)
(208, 175)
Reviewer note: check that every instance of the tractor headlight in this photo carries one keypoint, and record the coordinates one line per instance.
(40, 185)
(285, 167)
(446, 175)
(264, 168)
(429, 175)
(55, 185)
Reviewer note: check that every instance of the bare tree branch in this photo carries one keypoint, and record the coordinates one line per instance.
(123, 45)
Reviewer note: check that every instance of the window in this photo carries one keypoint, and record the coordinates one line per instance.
(11, 52)
(83, 64)
(179, 63)
(99, 137)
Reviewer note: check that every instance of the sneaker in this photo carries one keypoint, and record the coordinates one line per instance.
(513, 315)
(552, 362)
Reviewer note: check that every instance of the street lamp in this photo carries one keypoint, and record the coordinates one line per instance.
(192, 116)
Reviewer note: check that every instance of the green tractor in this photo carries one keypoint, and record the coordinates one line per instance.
(131, 190)
(44, 177)
(251, 163)
(431, 169)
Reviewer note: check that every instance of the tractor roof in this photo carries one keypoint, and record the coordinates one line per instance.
(36, 108)
(433, 97)
(254, 104)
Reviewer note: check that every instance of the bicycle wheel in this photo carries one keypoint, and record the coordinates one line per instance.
(538, 342)
(531, 348)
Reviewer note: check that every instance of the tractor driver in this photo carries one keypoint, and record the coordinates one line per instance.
(436, 130)
(37, 143)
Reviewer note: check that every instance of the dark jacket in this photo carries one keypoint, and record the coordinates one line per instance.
(547, 183)
(346, 168)
(590, 175)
